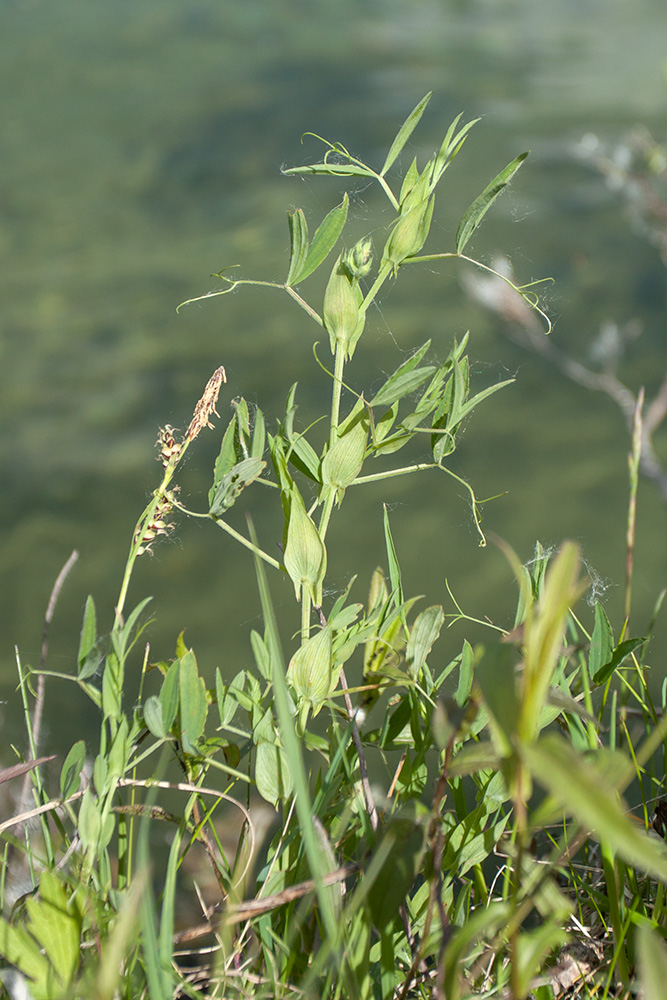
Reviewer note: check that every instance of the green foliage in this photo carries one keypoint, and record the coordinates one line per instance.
(438, 815)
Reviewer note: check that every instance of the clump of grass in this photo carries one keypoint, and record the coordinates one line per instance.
(460, 847)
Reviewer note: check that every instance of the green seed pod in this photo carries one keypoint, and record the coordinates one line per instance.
(305, 555)
(310, 670)
(342, 315)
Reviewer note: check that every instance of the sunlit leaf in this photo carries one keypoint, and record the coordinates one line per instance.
(193, 703)
(324, 240)
(298, 237)
(404, 133)
(480, 206)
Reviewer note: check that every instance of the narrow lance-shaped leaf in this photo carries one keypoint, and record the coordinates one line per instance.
(480, 206)
(393, 387)
(88, 632)
(404, 133)
(324, 240)
(298, 238)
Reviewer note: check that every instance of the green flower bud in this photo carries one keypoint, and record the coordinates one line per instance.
(305, 555)
(342, 463)
(409, 234)
(342, 315)
(310, 670)
(359, 260)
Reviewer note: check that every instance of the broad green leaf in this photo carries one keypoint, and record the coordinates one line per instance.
(70, 774)
(324, 240)
(389, 392)
(153, 717)
(298, 238)
(90, 821)
(272, 775)
(480, 206)
(193, 703)
(588, 793)
(423, 634)
(404, 133)
(56, 926)
(233, 483)
(602, 642)
(19, 948)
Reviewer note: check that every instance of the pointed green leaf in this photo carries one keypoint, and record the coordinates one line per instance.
(480, 206)
(258, 435)
(298, 238)
(621, 653)
(398, 384)
(227, 458)
(332, 169)
(194, 706)
(272, 775)
(324, 240)
(169, 695)
(232, 485)
(88, 633)
(153, 717)
(392, 559)
(423, 634)
(602, 642)
(70, 774)
(404, 133)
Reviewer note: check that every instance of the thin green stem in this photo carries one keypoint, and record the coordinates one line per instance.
(244, 541)
(377, 476)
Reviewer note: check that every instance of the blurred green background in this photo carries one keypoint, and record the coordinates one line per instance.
(140, 150)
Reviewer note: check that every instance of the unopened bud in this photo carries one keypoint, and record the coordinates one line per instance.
(359, 260)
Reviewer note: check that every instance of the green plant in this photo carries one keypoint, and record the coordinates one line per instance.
(382, 878)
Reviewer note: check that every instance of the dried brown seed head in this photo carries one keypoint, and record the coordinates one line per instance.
(206, 405)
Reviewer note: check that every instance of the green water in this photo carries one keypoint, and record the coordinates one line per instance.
(140, 151)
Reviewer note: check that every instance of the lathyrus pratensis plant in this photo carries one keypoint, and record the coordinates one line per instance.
(427, 910)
